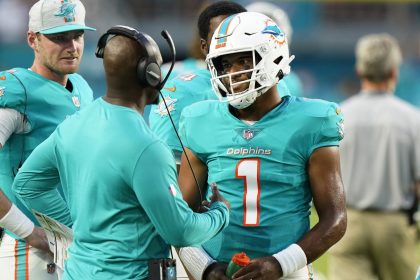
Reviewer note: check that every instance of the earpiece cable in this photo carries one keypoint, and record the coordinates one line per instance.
(165, 34)
(183, 148)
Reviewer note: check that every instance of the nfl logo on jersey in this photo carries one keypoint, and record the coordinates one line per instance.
(76, 101)
(248, 134)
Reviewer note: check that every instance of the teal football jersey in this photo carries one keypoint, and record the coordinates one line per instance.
(184, 90)
(180, 92)
(294, 84)
(45, 104)
(261, 169)
(121, 189)
(187, 66)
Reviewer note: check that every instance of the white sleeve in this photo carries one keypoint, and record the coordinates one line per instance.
(11, 121)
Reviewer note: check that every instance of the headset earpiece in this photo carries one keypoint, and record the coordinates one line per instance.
(149, 73)
(99, 52)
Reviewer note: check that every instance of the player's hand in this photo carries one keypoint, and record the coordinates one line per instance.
(216, 271)
(38, 239)
(265, 268)
(217, 196)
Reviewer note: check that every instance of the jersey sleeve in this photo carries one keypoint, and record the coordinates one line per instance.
(37, 180)
(183, 129)
(11, 121)
(155, 185)
(190, 126)
(12, 92)
(331, 130)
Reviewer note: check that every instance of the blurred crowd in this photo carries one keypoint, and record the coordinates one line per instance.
(324, 37)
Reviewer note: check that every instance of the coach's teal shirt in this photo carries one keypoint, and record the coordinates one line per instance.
(120, 184)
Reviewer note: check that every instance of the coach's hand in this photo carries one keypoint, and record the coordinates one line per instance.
(38, 239)
(265, 268)
(217, 196)
(216, 271)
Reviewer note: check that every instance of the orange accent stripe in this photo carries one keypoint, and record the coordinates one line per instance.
(16, 258)
(27, 262)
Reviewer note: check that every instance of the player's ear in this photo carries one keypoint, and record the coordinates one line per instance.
(32, 40)
(394, 73)
(204, 47)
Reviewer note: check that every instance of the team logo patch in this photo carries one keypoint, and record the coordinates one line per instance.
(340, 126)
(274, 31)
(76, 101)
(172, 190)
(2, 78)
(161, 108)
(248, 133)
(2, 91)
(66, 11)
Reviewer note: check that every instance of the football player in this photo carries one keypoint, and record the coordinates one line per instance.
(270, 156)
(32, 103)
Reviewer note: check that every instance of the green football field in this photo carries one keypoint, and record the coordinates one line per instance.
(320, 265)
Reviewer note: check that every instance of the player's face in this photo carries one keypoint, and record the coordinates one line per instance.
(61, 52)
(233, 63)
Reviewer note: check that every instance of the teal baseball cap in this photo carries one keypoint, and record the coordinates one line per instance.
(56, 16)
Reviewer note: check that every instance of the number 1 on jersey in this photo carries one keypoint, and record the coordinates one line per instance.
(249, 170)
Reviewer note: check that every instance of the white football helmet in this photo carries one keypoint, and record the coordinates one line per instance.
(255, 33)
(274, 12)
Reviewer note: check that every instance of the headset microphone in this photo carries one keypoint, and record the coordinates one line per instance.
(168, 38)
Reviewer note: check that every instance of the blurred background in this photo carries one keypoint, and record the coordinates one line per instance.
(324, 36)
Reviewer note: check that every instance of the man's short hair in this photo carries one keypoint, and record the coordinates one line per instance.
(376, 56)
(214, 10)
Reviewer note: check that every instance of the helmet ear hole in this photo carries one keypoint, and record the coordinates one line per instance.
(280, 74)
(258, 58)
(278, 59)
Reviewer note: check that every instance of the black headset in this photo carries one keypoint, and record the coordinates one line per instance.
(148, 67)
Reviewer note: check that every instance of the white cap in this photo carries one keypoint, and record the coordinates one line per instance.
(275, 13)
(56, 16)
